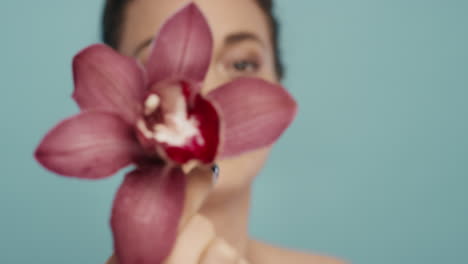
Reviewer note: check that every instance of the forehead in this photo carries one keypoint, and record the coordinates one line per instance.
(143, 18)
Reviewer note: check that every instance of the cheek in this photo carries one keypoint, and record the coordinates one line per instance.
(212, 80)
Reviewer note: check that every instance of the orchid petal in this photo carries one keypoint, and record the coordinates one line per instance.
(90, 145)
(254, 114)
(146, 214)
(108, 81)
(182, 49)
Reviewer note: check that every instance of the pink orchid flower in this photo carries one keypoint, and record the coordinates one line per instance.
(156, 118)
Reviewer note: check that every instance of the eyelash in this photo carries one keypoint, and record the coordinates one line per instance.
(245, 66)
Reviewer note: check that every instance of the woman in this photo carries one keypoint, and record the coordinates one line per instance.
(245, 44)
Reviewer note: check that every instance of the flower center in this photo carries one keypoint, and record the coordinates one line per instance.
(167, 122)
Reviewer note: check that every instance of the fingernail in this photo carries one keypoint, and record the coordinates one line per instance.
(215, 170)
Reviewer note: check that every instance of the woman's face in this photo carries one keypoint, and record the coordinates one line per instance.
(242, 47)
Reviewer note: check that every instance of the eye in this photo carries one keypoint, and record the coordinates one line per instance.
(245, 66)
(244, 59)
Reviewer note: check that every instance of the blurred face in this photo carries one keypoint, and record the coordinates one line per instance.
(242, 47)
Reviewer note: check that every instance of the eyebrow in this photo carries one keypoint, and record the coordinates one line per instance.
(231, 39)
(237, 37)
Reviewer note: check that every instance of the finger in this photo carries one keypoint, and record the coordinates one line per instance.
(219, 251)
(200, 182)
(192, 241)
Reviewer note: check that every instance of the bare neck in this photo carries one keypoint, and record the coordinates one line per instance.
(230, 218)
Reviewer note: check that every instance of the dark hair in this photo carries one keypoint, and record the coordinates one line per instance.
(113, 16)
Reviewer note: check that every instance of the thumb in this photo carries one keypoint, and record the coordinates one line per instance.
(200, 182)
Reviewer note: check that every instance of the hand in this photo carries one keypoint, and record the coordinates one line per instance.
(197, 242)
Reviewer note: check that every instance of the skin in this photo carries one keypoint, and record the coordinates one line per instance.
(213, 228)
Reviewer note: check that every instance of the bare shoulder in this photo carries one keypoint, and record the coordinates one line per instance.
(262, 253)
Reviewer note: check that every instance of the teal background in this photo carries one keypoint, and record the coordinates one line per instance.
(374, 170)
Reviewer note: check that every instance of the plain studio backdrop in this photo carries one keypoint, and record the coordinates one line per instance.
(374, 170)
